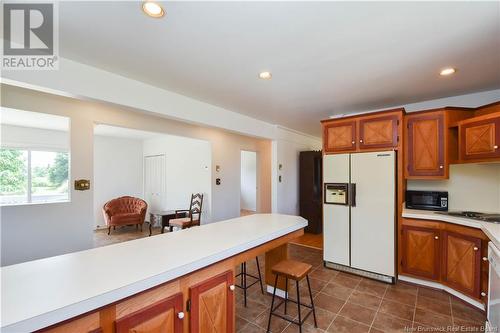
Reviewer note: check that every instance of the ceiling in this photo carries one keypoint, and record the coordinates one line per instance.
(326, 57)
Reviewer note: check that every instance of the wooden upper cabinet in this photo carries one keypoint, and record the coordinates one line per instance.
(480, 138)
(420, 251)
(379, 132)
(462, 263)
(339, 137)
(162, 317)
(425, 146)
(212, 305)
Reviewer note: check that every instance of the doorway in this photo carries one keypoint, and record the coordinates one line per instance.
(154, 181)
(248, 192)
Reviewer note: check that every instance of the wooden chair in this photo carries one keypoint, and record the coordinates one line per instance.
(194, 214)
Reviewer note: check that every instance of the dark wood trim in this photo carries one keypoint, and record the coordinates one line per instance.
(441, 143)
(394, 118)
(477, 263)
(351, 123)
(437, 250)
(194, 295)
(463, 143)
(124, 324)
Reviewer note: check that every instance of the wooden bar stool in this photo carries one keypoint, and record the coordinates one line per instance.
(243, 276)
(293, 270)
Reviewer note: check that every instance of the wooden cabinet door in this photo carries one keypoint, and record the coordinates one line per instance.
(462, 263)
(212, 305)
(380, 132)
(421, 247)
(480, 139)
(426, 146)
(339, 137)
(160, 317)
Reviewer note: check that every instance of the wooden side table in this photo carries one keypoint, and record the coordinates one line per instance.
(162, 217)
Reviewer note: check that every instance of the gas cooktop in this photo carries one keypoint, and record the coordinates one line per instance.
(484, 217)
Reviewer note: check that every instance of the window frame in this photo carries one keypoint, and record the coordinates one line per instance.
(29, 189)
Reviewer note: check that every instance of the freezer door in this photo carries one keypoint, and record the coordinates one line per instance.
(373, 217)
(336, 217)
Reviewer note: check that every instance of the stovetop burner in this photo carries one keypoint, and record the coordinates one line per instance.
(485, 217)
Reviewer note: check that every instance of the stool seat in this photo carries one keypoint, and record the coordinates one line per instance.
(294, 270)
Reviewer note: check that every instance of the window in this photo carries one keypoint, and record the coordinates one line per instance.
(33, 176)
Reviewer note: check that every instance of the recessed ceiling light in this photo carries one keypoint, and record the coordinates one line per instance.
(152, 9)
(447, 71)
(265, 75)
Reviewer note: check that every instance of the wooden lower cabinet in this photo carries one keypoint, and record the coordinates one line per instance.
(164, 316)
(85, 324)
(212, 305)
(462, 263)
(446, 253)
(421, 251)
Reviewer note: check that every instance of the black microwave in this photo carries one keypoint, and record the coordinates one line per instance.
(427, 200)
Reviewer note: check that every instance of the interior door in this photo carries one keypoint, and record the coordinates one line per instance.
(373, 215)
(154, 181)
(336, 217)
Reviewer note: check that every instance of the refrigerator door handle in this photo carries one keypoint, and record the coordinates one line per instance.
(352, 194)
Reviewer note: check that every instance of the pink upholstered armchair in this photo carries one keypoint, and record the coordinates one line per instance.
(124, 211)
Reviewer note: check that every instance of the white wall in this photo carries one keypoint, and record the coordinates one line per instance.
(29, 137)
(474, 187)
(188, 165)
(248, 200)
(117, 171)
(286, 150)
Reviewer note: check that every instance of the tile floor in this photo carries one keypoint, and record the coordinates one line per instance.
(351, 304)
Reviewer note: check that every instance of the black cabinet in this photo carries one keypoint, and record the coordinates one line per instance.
(310, 191)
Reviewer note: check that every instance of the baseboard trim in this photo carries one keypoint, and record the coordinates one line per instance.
(279, 292)
(440, 286)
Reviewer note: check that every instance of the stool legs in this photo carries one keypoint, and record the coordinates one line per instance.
(298, 305)
(312, 302)
(286, 293)
(272, 304)
(243, 279)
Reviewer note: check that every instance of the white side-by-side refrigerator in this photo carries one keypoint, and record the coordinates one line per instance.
(359, 213)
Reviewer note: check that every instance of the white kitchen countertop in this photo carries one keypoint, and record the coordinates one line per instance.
(43, 292)
(492, 230)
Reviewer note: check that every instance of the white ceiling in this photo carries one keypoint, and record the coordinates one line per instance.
(326, 57)
(23, 118)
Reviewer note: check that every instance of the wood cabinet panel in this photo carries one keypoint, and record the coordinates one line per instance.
(480, 139)
(421, 247)
(212, 305)
(85, 324)
(339, 137)
(379, 132)
(160, 317)
(462, 263)
(426, 145)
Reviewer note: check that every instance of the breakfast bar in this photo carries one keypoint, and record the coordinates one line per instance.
(178, 279)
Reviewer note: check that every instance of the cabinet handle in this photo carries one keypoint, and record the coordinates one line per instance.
(436, 237)
(180, 315)
(475, 248)
(483, 294)
(231, 287)
(441, 167)
(361, 141)
(485, 259)
(495, 147)
(353, 142)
